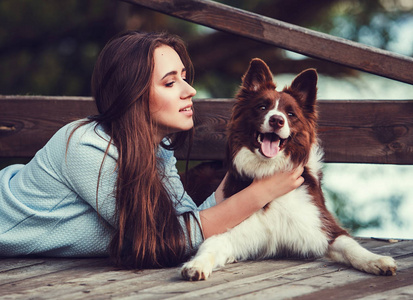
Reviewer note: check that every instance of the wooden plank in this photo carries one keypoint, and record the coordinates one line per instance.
(72, 278)
(26, 269)
(28, 122)
(287, 36)
(61, 281)
(351, 131)
(367, 131)
(342, 284)
(363, 287)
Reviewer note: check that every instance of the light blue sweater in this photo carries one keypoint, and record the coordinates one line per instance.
(48, 207)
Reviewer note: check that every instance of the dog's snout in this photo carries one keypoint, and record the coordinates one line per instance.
(277, 121)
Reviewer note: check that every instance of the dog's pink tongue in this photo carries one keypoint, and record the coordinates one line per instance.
(269, 145)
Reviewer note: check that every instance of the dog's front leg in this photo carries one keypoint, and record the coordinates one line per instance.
(215, 252)
(346, 250)
(248, 239)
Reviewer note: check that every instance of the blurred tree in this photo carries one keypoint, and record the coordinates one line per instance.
(349, 215)
(49, 47)
(353, 217)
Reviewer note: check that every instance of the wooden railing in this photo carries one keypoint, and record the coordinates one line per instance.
(287, 36)
(351, 131)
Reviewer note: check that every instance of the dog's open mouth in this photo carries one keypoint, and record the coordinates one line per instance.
(270, 144)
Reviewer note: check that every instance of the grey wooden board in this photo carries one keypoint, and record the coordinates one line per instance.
(46, 278)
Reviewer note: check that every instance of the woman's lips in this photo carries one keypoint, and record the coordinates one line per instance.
(187, 110)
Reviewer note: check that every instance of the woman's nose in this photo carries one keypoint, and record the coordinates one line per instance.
(189, 91)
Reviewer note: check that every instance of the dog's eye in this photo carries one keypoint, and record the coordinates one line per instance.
(291, 114)
(262, 107)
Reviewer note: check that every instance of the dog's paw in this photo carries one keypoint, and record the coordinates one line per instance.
(383, 265)
(195, 270)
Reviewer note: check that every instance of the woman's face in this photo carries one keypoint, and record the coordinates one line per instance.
(170, 101)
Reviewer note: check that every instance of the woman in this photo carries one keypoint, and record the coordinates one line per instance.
(107, 185)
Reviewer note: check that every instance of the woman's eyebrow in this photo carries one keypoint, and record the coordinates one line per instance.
(173, 73)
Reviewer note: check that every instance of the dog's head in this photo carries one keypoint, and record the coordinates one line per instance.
(271, 128)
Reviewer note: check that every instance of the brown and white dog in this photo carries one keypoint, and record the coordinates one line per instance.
(269, 132)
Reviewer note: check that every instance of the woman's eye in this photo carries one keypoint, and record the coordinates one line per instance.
(170, 84)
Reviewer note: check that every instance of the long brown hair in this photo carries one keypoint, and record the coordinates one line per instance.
(149, 233)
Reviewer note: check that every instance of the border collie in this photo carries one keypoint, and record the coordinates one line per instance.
(269, 132)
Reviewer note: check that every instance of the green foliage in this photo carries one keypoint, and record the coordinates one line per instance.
(353, 217)
(49, 47)
(347, 214)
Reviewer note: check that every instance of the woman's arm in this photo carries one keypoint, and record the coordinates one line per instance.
(229, 213)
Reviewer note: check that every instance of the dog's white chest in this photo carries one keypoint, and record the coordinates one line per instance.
(293, 225)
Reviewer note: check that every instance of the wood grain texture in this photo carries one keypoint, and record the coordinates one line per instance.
(367, 131)
(28, 122)
(95, 278)
(287, 36)
(357, 131)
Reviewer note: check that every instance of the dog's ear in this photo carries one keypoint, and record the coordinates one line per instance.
(305, 85)
(257, 75)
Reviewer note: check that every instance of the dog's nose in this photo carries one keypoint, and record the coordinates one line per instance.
(276, 121)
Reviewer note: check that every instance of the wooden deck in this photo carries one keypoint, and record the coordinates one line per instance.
(38, 278)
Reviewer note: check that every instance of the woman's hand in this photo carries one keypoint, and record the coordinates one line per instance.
(229, 213)
(277, 185)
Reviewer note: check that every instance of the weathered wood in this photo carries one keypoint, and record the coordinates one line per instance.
(367, 131)
(28, 122)
(39, 278)
(351, 131)
(287, 36)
